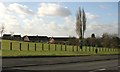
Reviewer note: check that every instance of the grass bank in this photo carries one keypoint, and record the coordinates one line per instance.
(44, 49)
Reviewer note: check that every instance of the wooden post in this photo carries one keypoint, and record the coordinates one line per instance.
(105, 49)
(89, 48)
(92, 48)
(77, 48)
(10, 45)
(96, 50)
(0, 46)
(35, 46)
(28, 46)
(20, 47)
(49, 47)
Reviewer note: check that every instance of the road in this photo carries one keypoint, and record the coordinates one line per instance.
(90, 63)
(91, 66)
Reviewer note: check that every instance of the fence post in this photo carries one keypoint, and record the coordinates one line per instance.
(85, 49)
(35, 46)
(49, 47)
(89, 48)
(10, 45)
(92, 48)
(77, 48)
(104, 49)
(20, 46)
(0, 46)
(96, 50)
(28, 46)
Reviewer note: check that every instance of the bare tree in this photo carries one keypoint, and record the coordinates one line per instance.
(80, 25)
(2, 29)
(12, 33)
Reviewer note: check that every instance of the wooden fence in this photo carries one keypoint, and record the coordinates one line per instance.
(61, 47)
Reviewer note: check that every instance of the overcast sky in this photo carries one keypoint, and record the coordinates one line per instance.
(58, 19)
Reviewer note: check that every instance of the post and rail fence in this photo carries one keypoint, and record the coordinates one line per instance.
(62, 47)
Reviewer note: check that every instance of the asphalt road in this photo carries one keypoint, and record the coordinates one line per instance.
(91, 66)
(90, 63)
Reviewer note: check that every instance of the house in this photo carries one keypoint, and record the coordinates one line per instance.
(26, 38)
(17, 37)
(51, 40)
(61, 40)
(36, 38)
(7, 36)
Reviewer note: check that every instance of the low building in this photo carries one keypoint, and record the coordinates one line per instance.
(61, 40)
(7, 36)
(26, 38)
(36, 38)
(51, 40)
(17, 37)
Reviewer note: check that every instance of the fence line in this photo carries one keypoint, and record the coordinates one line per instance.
(64, 47)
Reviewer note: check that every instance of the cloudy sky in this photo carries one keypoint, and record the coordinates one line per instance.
(58, 19)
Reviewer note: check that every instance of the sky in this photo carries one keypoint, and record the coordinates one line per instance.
(58, 18)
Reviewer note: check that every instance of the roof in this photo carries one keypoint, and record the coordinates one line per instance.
(16, 35)
(6, 34)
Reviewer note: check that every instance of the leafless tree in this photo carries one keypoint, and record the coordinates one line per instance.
(80, 25)
(12, 33)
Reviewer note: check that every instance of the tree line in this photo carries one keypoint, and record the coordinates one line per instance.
(106, 40)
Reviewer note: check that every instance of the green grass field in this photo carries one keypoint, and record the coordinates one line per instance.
(49, 50)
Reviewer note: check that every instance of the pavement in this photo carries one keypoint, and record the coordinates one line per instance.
(62, 63)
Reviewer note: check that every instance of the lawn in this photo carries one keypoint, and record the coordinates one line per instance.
(42, 49)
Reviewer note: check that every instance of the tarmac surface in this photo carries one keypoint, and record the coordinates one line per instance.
(89, 63)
